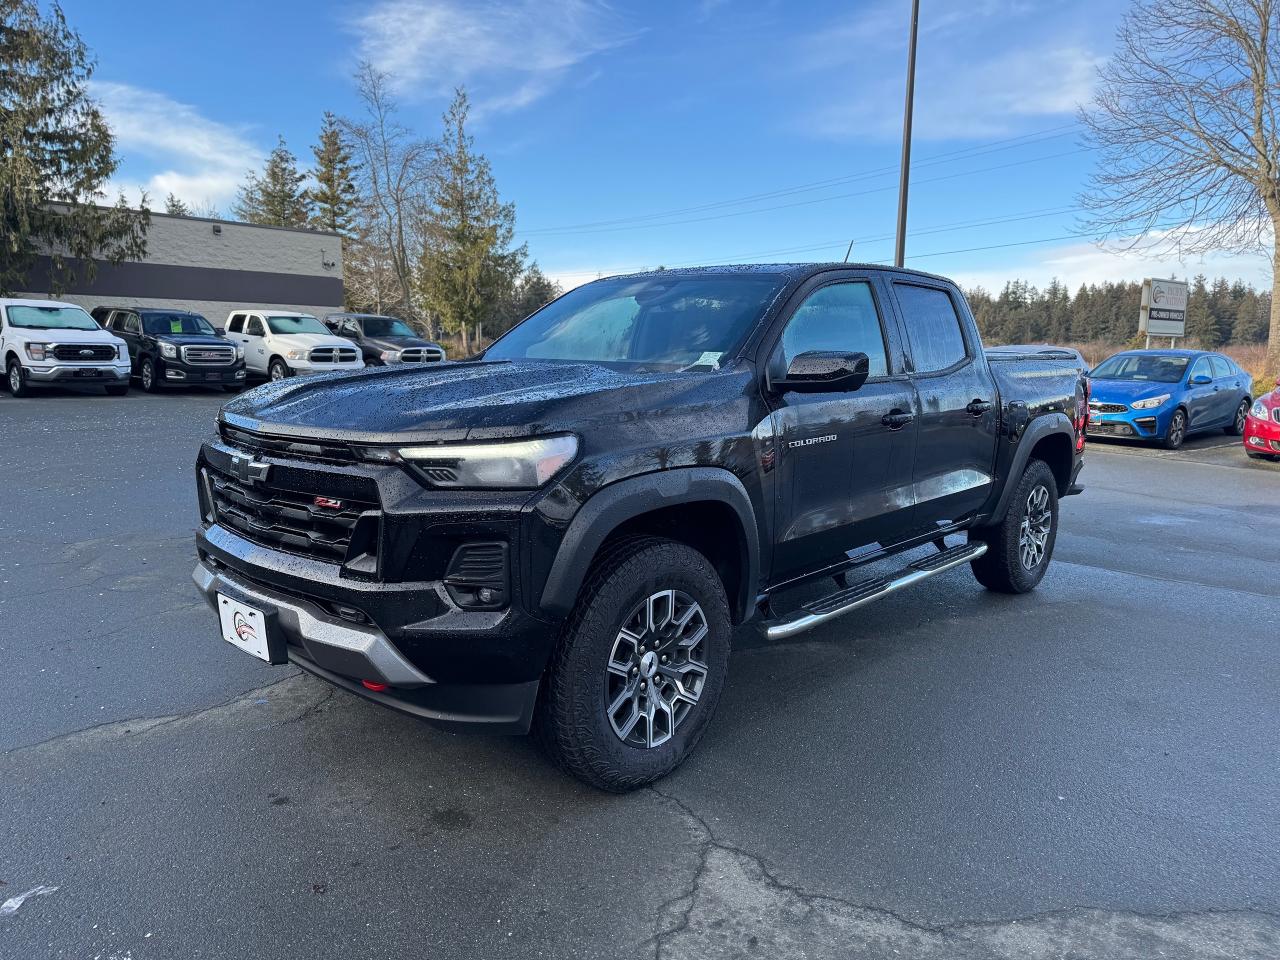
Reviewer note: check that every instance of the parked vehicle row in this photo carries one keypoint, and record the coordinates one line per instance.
(48, 341)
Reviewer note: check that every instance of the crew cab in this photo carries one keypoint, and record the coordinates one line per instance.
(384, 340)
(51, 342)
(174, 347)
(561, 533)
(282, 343)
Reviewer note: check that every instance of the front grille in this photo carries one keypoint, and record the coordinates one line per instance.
(421, 355)
(84, 353)
(1275, 414)
(1107, 407)
(319, 451)
(209, 356)
(290, 521)
(332, 355)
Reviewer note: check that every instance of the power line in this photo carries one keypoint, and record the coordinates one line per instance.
(995, 146)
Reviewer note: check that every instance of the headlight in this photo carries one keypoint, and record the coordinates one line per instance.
(36, 350)
(239, 351)
(296, 354)
(122, 351)
(389, 356)
(508, 465)
(1150, 403)
(168, 351)
(1258, 410)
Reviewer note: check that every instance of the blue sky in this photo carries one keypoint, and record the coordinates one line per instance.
(632, 135)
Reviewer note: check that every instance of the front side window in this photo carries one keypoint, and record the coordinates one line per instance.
(659, 323)
(180, 323)
(132, 324)
(254, 328)
(1201, 368)
(933, 327)
(50, 318)
(841, 317)
(302, 324)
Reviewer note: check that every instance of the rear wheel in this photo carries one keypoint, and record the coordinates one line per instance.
(17, 380)
(639, 668)
(1177, 431)
(1020, 547)
(1236, 427)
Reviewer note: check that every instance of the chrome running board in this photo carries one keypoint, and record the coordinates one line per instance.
(860, 594)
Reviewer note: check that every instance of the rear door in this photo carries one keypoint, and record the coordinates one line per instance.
(958, 421)
(1229, 387)
(127, 325)
(845, 457)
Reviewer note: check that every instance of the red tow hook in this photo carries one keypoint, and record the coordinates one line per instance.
(374, 685)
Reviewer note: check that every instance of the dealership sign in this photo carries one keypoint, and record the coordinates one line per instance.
(1164, 308)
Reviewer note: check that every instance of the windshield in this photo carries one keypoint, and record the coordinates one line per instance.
(303, 324)
(386, 327)
(1141, 366)
(162, 323)
(657, 322)
(51, 318)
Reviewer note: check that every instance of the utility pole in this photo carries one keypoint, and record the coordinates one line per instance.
(904, 180)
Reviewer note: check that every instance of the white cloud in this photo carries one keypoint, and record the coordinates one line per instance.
(197, 159)
(513, 53)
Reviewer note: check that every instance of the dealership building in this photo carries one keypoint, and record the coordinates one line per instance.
(211, 267)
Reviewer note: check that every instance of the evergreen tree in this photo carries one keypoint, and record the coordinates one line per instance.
(468, 265)
(1200, 320)
(334, 197)
(56, 154)
(175, 207)
(275, 198)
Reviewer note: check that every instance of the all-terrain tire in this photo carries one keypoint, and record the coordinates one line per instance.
(1005, 567)
(572, 721)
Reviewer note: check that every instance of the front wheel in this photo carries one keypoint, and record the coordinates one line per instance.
(17, 380)
(639, 667)
(1177, 431)
(279, 370)
(1236, 427)
(147, 374)
(1020, 546)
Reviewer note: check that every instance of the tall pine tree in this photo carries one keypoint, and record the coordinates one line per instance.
(274, 198)
(56, 154)
(468, 265)
(334, 197)
(174, 207)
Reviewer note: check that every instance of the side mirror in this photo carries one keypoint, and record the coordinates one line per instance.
(220, 331)
(825, 371)
(1200, 379)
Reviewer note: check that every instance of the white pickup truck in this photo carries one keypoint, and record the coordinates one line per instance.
(47, 341)
(281, 343)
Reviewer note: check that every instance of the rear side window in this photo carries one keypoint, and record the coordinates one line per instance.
(933, 327)
(236, 324)
(1221, 368)
(840, 317)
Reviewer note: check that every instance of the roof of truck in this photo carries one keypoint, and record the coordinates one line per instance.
(792, 271)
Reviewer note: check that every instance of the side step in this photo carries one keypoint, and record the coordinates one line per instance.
(860, 594)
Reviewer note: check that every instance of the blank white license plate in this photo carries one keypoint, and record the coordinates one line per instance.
(244, 627)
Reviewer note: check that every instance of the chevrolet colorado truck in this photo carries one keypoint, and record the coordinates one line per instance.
(560, 534)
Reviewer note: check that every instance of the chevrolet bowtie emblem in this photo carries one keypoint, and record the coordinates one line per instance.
(248, 470)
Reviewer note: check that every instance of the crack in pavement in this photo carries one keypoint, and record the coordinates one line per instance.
(734, 906)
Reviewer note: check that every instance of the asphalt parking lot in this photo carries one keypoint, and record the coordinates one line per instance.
(1089, 771)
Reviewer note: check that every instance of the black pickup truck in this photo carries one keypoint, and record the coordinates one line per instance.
(562, 532)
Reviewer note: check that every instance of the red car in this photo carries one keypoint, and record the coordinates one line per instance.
(1262, 427)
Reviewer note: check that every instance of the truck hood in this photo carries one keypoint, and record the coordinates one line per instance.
(309, 340)
(70, 336)
(454, 401)
(192, 339)
(397, 343)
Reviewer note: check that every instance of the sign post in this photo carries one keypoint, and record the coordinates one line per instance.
(1164, 309)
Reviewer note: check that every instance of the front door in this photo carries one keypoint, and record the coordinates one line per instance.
(959, 416)
(1203, 399)
(845, 458)
(255, 349)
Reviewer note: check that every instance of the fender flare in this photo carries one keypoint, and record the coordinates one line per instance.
(1042, 426)
(619, 502)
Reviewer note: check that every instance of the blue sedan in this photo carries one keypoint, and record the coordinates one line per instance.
(1167, 395)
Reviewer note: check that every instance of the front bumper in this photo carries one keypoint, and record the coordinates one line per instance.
(302, 367)
(113, 371)
(1262, 436)
(347, 654)
(1131, 424)
(175, 371)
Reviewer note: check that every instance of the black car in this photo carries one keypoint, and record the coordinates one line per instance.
(562, 532)
(175, 347)
(384, 340)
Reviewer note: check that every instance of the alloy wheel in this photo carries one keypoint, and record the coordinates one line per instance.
(277, 372)
(657, 669)
(15, 379)
(1241, 413)
(1176, 428)
(148, 376)
(1037, 519)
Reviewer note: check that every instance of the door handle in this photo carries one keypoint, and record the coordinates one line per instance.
(897, 419)
(978, 407)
